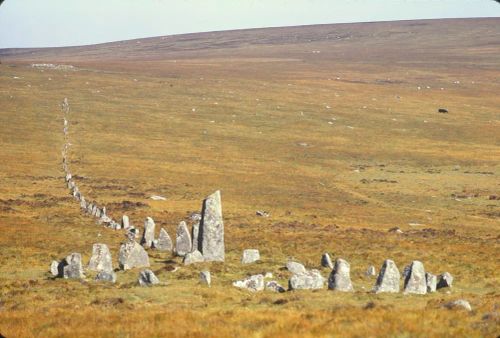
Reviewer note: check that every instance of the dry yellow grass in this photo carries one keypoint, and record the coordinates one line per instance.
(388, 159)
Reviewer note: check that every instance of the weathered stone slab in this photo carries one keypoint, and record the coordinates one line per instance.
(101, 258)
(193, 257)
(183, 243)
(388, 278)
(73, 267)
(164, 242)
(340, 278)
(431, 282)
(274, 286)
(54, 268)
(148, 278)
(253, 283)
(445, 280)
(307, 280)
(148, 235)
(106, 276)
(132, 255)
(205, 278)
(295, 267)
(212, 229)
(326, 261)
(250, 256)
(415, 279)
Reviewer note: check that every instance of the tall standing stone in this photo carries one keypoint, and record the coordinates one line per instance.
(73, 267)
(195, 232)
(132, 255)
(183, 243)
(340, 278)
(101, 258)
(388, 278)
(212, 229)
(149, 233)
(415, 279)
(164, 242)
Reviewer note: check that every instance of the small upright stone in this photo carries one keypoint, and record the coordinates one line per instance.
(106, 276)
(388, 278)
(148, 235)
(253, 283)
(73, 267)
(431, 282)
(148, 278)
(132, 255)
(164, 242)
(445, 280)
(307, 280)
(125, 222)
(183, 240)
(340, 278)
(326, 261)
(295, 267)
(415, 279)
(54, 268)
(212, 229)
(371, 271)
(193, 257)
(195, 233)
(250, 256)
(101, 258)
(206, 278)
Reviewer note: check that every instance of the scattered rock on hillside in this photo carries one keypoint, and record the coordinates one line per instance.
(205, 278)
(132, 255)
(106, 276)
(262, 213)
(148, 235)
(212, 229)
(183, 243)
(295, 267)
(396, 230)
(326, 261)
(250, 256)
(445, 280)
(340, 279)
(158, 198)
(415, 279)
(371, 271)
(164, 242)
(431, 282)
(193, 257)
(306, 280)
(148, 278)
(443, 110)
(388, 278)
(459, 304)
(274, 286)
(101, 258)
(252, 283)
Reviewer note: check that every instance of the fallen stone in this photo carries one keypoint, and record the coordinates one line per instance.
(101, 258)
(148, 236)
(415, 279)
(371, 271)
(388, 278)
(274, 286)
(183, 243)
(164, 242)
(262, 213)
(253, 283)
(148, 278)
(459, 304)
(132, 255)
(125, 222)
(295, 267)
(158, 198)
(250, 256)
(212, 229)
(73, 266)
(193, 257)
(326, 261)
(306, 280)
(443, 110)
(340, 279)
(106, 276)
(396, 230)
(445, 280)
(205, 278)
(431, 282)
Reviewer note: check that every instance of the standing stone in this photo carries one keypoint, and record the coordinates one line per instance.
(164, 242)
(295, 267)
(307, 280)
(106, 276)
(250, 256)
(132, 255)
(431, 282)
(212, 229)
(97, 212)
(326, 261)
(445, 280)
(195, 233)
(148, 278)
(253, 283)
(340, 278)
(54, 268)
(388, 278)
(101, 258)
(371, 271)
(193, 257)
(148, 235)
(205, 278)
(183, 243)
(415, 279)
(90, 207)
(73, 267)
(274, 286)
(125, 222)
(83, 203)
